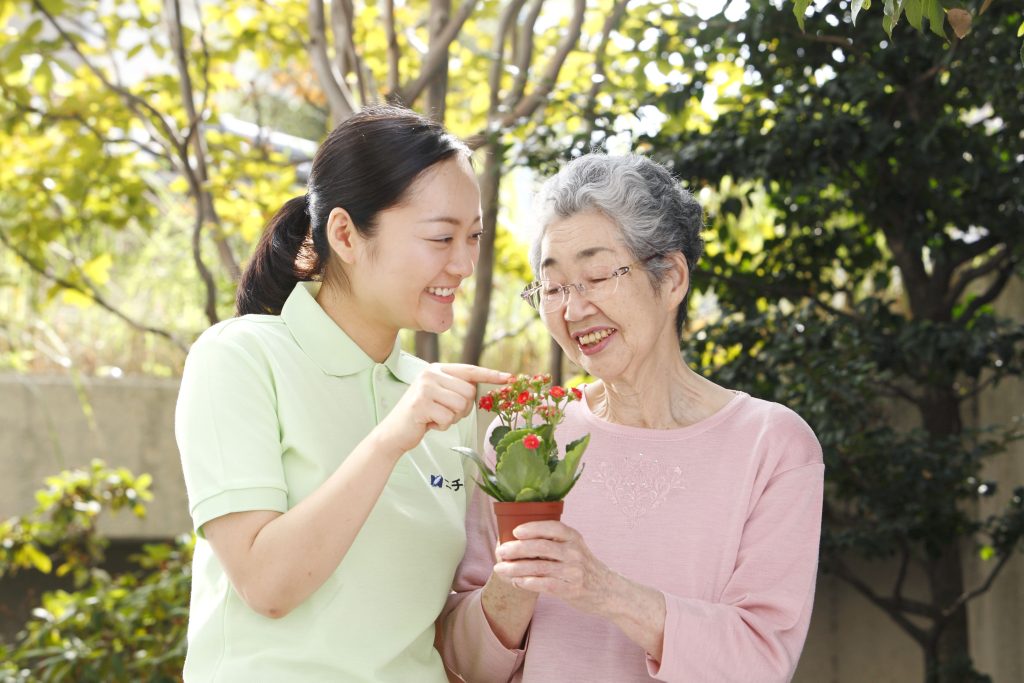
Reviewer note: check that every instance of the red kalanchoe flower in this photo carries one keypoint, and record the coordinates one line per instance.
(531, 441)
(577, 393)
(523, 398)
(557, 392)
(487, 402)
(506, 405)
(505, 392)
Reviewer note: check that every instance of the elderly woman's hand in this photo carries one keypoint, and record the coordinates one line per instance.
(551, 558)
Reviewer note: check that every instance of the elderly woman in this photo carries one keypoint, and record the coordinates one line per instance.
(688, 549)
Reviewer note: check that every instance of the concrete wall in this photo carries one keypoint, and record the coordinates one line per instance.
(44, 427)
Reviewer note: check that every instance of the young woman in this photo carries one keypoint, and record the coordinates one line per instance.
(317, 455)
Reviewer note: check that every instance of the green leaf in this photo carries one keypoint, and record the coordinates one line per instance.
(987, 553)
(498, 434)
(936, 17)
(799, 10)
(528, 495)
(521, 468)
(485, 469)
(915, 12)
(859, 5)
(565, 475)
(1020, 30)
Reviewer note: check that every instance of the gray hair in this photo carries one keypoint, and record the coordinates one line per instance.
(656, 215)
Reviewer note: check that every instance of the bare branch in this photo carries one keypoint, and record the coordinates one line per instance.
(90, 291)
(342, 19)
(969, 275)
(392, 39)
(610, 24)
(338, 94)
(993, 290)
(438, 53)
(509, 334)
(524, 52)
(985, 585)
(505, 23)
(206, 210)
(529, 104)
(843, 572)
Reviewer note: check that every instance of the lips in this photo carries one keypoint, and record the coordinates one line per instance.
(442, 291)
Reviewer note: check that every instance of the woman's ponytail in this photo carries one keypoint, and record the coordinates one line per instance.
(283, 257)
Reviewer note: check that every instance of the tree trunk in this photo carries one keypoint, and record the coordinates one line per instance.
(428, 346)
(490, 182)
(948, 657)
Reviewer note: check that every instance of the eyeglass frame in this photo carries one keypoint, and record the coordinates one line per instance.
(579, 287)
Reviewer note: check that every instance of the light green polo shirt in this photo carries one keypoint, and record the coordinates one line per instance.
(269, 407)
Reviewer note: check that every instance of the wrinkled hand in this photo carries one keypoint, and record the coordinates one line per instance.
(441, 395)
(551, 558)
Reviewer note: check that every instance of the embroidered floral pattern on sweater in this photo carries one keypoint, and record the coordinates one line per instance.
(637, 485)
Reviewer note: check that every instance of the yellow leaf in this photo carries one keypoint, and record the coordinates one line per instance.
(39, 560)
(98, 269)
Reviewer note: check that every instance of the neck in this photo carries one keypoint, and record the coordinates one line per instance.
(375, 339)
(661, 395)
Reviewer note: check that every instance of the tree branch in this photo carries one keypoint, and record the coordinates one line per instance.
(392, 40)
(90, 291)
(525, 55)
(338, 95)
(969, 275)
(135, 103)
(505, 22)
(919, 634)
(437, 54)
(597, 82)
(970, 595)
(506, 334)
(993, 291)
(205, 207)
(528, 105)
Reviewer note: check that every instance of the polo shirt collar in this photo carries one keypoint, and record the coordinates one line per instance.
(327, 345)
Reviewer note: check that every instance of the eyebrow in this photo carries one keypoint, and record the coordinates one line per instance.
(448, 219)
(589, 252)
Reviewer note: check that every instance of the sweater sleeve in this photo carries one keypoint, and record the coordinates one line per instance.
(470, 647)
(755, 631)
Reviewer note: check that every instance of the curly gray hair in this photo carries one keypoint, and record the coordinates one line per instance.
(655, 214)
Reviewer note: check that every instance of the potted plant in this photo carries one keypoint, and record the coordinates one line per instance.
(529, 480)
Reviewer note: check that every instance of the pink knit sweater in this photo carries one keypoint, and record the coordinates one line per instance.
(722, 516)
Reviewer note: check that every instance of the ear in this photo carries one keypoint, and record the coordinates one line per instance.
(677, 282)
(342, 236)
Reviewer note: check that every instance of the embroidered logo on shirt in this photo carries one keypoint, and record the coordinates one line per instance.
(637, 485)
(439, 482)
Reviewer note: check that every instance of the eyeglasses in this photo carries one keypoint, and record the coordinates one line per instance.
(547, 296)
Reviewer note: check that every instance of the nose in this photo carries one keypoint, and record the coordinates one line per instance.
(577, 306)
(463, 260)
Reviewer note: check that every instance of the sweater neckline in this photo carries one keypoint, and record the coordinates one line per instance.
(672, 434)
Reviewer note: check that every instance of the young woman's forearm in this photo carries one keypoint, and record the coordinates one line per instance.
(278, 560)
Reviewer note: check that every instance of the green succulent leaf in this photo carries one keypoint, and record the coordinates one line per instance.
(565, 475)
(485, 469)
(498, 434)
(529, 495)
(521, 468)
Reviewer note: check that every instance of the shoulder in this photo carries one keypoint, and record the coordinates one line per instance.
(783, 439)
(237, 344)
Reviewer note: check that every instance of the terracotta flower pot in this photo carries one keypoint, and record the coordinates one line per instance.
(511, 515)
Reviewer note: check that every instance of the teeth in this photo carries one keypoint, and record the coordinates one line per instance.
(441, 291)
(594, 337)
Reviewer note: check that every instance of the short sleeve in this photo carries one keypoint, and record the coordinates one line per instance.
(228, 432)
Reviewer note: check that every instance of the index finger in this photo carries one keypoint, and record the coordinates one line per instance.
(475, 373)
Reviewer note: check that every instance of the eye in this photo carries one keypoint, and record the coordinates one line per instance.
(477, 236)
(441, 240)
